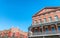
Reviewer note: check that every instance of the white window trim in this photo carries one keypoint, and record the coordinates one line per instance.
(45, 20)
(50, 19)
(56, 17)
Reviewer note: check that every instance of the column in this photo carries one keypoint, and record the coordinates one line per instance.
(39, 29)
(32, 29)
(42, 29)
(56, 27)
(49, 27)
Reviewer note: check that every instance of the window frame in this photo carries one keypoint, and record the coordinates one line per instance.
(40, 21)
(50, 19)
(45, 20)
(56, 18)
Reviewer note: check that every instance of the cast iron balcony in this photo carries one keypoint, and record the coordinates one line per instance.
(45, 33)
(46, 23)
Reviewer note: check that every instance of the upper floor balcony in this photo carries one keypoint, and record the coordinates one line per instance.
(44, 33)
(45, 23)
(54, 32)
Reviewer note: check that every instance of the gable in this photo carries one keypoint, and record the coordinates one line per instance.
(44, 11)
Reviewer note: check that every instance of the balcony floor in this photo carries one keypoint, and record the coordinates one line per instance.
(55, 36)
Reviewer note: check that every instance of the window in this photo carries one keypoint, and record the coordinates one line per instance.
(53, 29)
(50, 19)
(59, 28)
(40, 30)
(35, 22)
(40, 20)
(13, 35)
(45, 20)
(56, 18)
(36, 30)
(47, 30)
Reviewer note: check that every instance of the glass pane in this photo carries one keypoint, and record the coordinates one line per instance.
(40, 30)
(58, 27)
(44, 20)
(53, 29)
(46, 29)
(56, 17)
(35, 30)
(50, 19)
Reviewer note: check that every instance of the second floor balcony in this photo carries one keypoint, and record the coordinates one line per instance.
(45, 23)
(44, 33)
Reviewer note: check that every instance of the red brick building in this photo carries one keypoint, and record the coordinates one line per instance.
(45, 23)
(13, 33)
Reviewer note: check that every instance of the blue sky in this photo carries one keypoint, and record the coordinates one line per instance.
(18, 13)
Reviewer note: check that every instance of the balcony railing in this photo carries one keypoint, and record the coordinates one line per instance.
(44, 33)
(46, 23)
(37, 33)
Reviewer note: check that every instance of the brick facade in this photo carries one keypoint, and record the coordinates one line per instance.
(13, 33)
(45, 23)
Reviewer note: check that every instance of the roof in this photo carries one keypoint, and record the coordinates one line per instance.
(46, 8)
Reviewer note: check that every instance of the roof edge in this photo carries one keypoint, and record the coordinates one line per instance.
(45, 8)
